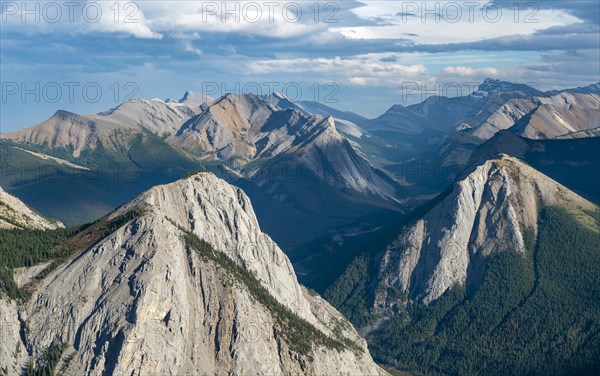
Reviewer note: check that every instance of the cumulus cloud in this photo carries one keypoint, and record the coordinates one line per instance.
(77, 17)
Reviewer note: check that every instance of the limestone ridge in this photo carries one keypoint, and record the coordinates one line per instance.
(144, 301)
(245, 129)
(15, 214)
(492, 208)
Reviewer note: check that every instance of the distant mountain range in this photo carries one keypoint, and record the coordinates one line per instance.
(358, 171)
(294, 164)
(458, 235)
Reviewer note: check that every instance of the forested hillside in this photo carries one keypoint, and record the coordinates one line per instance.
(537, 313)
(26, 248)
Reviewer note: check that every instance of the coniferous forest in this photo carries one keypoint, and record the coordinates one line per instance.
(533, 314)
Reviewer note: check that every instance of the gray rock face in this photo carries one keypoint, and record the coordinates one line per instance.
(544, 117)
(13, 353)
(142, 302)
(15, 214)
(488, 211)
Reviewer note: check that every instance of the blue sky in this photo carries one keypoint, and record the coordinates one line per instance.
(363, 56)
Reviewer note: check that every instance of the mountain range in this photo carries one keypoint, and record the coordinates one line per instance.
(275, 154)
(457, 235)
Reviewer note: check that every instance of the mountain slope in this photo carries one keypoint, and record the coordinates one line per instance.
(400, 119)
(84, 195)
(484, 106)
(317, 108)
(533, 314)
(226, 128)
(158, 117)
(15, 214)
(480, 276)
(247, 130)
(560, 115)
(69, 131)
(492, 209)
(378, 150)
(189, 286)
(573, 163)
(477, 118)
(70, 135)
(498, 105)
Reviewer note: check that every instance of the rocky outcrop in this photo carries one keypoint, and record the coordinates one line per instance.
(15, 214)
(595, 132)
(492, 208)
(543, 117)
(560, 115)
(147, 300)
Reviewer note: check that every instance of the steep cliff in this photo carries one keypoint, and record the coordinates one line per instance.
(189, 286)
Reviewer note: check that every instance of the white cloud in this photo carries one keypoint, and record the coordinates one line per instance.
(279, 19)
(123, 17)
(154, 19)
(418, 22)
(463, 71)
(77, 17)
(358, 70)
(359, 81)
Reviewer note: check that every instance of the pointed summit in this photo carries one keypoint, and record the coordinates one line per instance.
(187, 285)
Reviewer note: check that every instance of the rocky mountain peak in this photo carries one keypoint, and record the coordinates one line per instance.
(64, 115)
(190, 285)
(488, 210)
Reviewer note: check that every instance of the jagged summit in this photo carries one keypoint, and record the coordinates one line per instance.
(63, 114)
(491, 85)
(248, 128)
